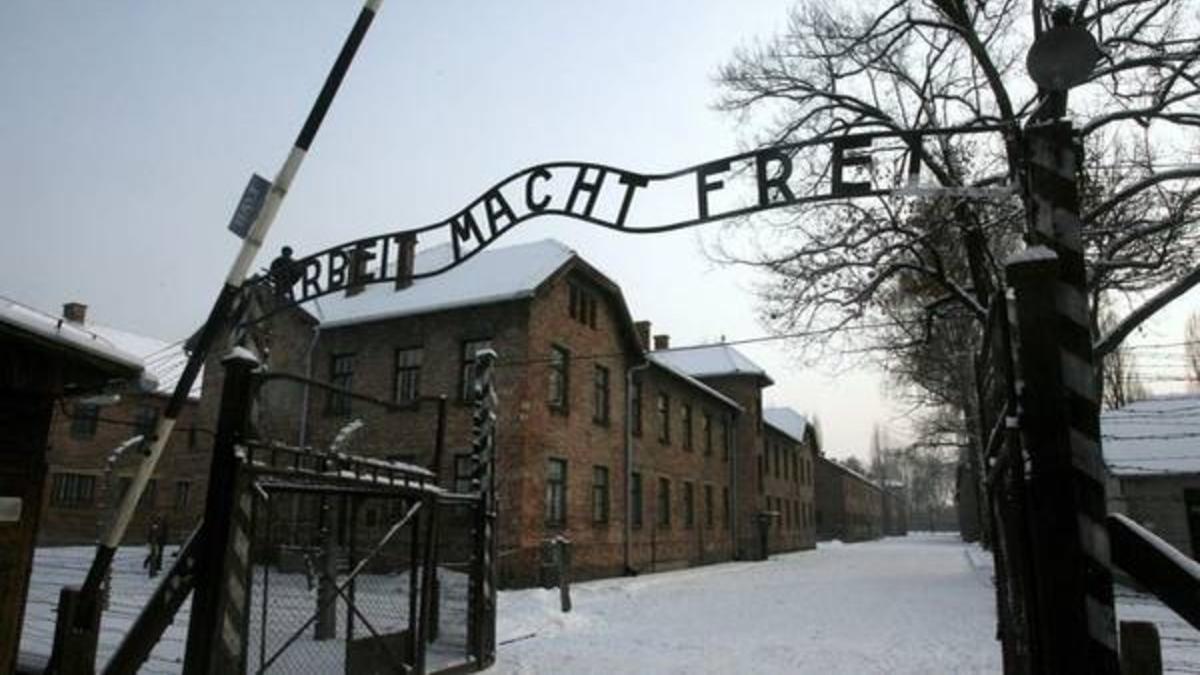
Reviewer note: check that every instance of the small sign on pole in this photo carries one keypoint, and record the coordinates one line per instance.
(249, 205)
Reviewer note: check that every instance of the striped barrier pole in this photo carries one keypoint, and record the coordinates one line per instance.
(1075, 618)
(216, 322)
(482, 629)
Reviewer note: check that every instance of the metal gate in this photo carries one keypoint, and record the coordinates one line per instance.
(342, 565)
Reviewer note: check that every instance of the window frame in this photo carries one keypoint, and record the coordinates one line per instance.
(635, 403)
(709, 507)
(556, 493)
(664, 503)
(637, 500)
(689, 505)
(559, 393)
(399, 373)
(69, 489)
(463, 460)
(662, 410)
(337, 403)
(726, 437)
(685, 423)
(601, 394)
(601, 496)
(85, 419)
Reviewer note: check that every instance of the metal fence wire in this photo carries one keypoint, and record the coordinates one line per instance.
(339, 566)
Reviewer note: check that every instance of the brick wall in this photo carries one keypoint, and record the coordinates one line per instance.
(851, 508)
(76, 452)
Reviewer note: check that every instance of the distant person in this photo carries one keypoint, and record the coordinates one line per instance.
(156, 540)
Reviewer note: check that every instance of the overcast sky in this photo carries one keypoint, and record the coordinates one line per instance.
(130, 128)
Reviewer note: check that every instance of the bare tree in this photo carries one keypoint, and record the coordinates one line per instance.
(1122, 385)
(1191, 347)
(912, 64)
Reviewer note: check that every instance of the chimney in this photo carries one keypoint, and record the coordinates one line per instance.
(662, 342)
(405, 256)
(75, 312)
(642, 328)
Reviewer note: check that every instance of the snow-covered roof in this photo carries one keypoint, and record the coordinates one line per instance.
(1154, 436)
(855, 474)
(163, 360)
(67, 334)
(710, 361)
(787, 421)
(494, 275)
(692, 381)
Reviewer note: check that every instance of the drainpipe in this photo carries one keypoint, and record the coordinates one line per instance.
(628, 529)
(302, 434)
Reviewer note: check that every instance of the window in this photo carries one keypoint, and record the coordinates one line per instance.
(582, 306)
(664, 502)
(464, 468)
(600, 397)
(778, 460)
(795, 467)
(708, 507)
(556, 492)
(559, 370)
(635, 497)
(144, 421)
(689, 505)
(726, 438)
(706, 431)
(761, 460)
(725, 508)
(408, 373)
(73, 489)
(687, 427)
(193, 438)
(635, 402)
(664, 418)
(84, 418)
(341, 374)
(183, 493)
(467, 375)
(600, 494)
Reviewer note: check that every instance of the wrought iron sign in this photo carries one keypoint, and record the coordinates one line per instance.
(817, 170)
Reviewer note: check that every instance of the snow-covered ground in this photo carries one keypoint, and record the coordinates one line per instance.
(918, 604)
(901, 605)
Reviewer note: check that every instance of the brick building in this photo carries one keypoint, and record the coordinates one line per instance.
(82, 487)
(789, 485)
(642, 461)
(1152, 452)
(849, 505)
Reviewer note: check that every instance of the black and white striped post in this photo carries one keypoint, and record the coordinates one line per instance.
(482, 628)
(1073, 621)
(218, 316)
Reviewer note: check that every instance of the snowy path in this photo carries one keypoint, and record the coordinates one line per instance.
(920, 604)
(902, 605)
